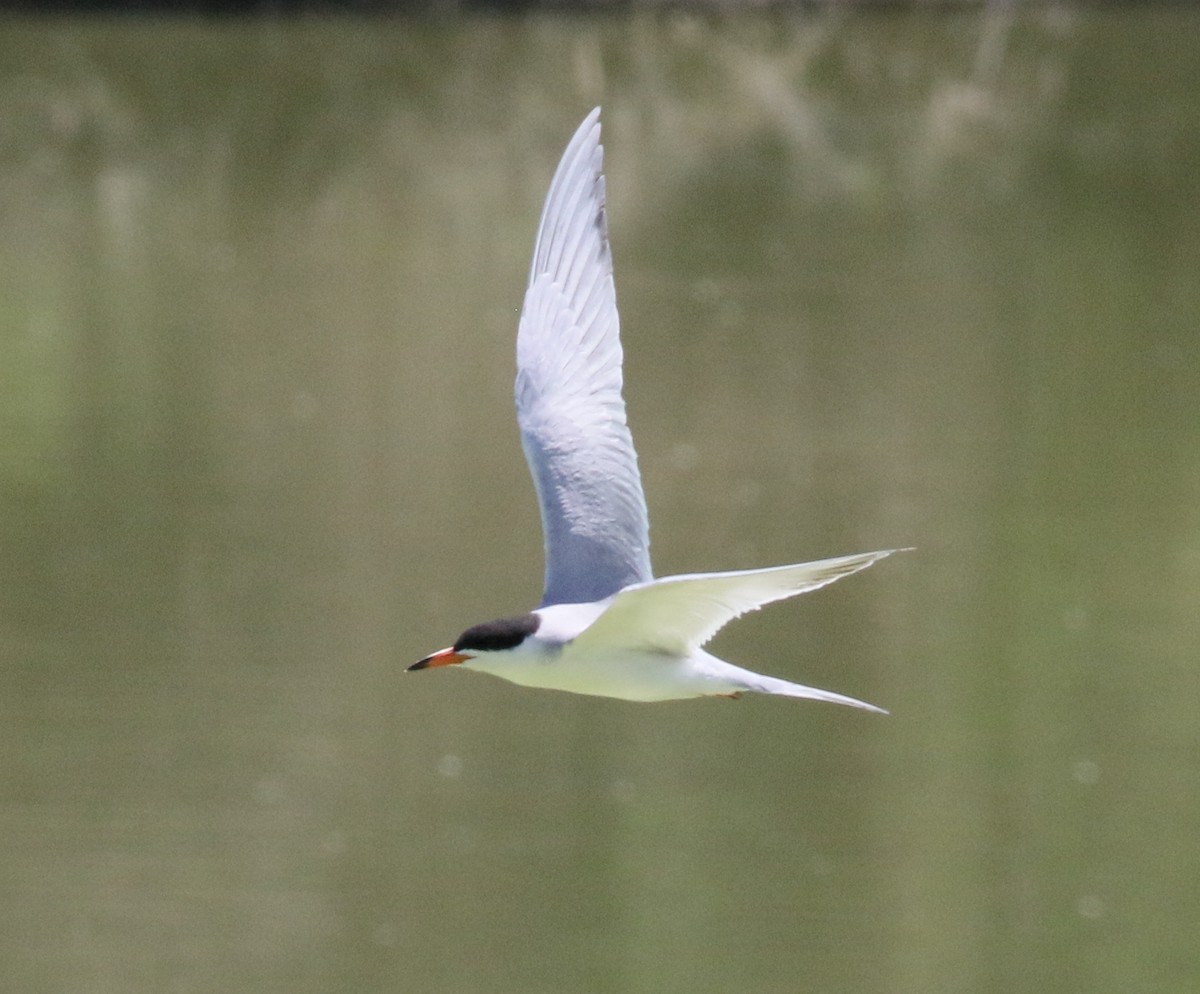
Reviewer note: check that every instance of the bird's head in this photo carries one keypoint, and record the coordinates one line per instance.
(479, 641)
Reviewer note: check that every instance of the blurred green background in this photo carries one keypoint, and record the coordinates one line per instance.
(886, 279)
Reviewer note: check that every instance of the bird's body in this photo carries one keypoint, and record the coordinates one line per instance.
(605, 626)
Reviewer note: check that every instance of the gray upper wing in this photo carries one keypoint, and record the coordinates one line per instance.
(568, 391)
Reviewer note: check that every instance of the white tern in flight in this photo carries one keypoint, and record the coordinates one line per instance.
(605, 625)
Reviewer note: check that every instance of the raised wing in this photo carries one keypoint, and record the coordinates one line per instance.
(568, 392)
(679, 613)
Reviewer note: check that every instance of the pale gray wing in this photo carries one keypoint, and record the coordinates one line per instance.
(680, 613)
(568, 391)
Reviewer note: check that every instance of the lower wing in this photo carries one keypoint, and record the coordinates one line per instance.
(678, 613)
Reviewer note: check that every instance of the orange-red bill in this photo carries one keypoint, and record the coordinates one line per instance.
(445, 657)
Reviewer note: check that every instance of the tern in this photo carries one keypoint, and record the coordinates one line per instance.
(605, 625)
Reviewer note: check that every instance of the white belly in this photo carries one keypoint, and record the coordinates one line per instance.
(630, 676)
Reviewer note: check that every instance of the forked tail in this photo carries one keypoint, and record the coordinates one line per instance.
(770, 685)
